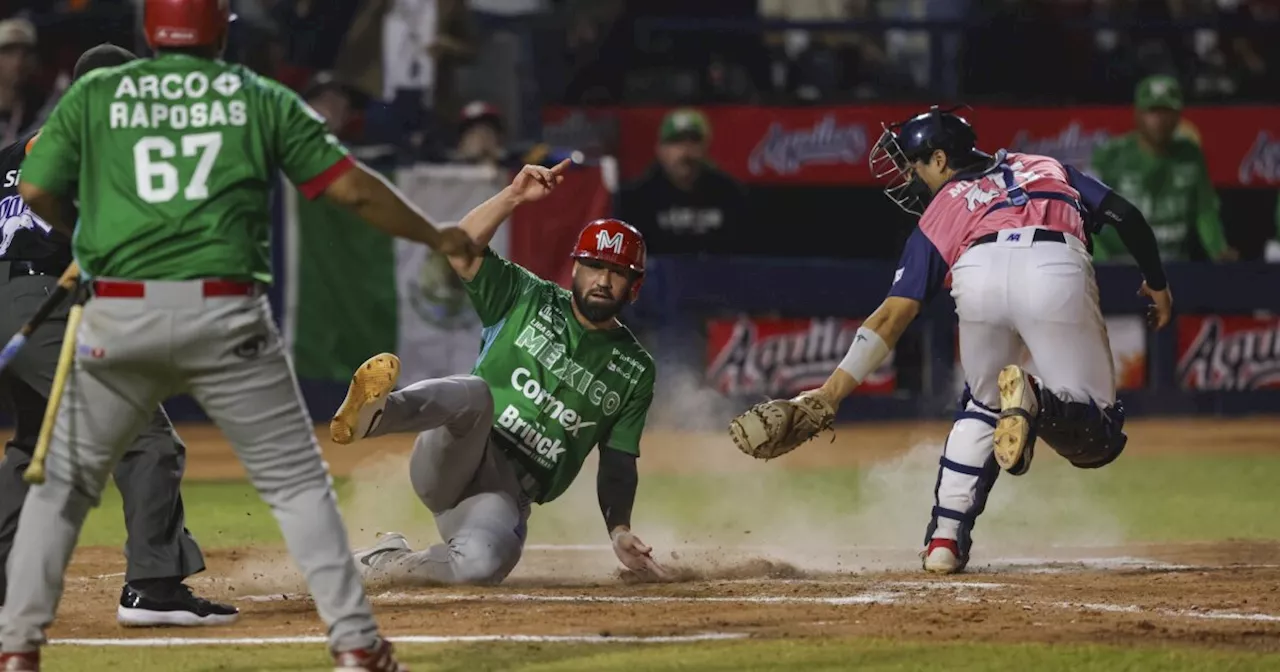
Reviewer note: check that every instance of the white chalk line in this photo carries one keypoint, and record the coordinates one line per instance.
(887, 596)
(872, 597)
(866, 598)
(886, 593)
(1212, 615)
(403, 639)
(861, 598)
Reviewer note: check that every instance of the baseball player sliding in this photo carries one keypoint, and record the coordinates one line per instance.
(557, 375)
(171, 159)
(1013, 231)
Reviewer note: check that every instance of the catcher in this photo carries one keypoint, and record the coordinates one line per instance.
(1013, 231)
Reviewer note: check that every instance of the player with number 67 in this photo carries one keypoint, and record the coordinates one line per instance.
(171, 160)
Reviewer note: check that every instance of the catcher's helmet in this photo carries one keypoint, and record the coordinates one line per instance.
(916, 139)
(186, 23)
(616, 242)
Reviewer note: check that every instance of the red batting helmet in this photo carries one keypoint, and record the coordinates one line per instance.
(616, 242)
(186, 23)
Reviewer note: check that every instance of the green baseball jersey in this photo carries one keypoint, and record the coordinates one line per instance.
(559, 389)
(172, 160)
(1173, 192)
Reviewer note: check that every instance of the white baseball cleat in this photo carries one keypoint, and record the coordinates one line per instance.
(368, 559)
(942, 557)
(1015, 436)
(366, 398)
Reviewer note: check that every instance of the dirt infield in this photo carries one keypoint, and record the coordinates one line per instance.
(1213, 599)
(1218, 595)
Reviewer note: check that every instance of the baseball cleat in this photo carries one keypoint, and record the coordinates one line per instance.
(378, 658)
(27, 661)
(171, 605)
(1015, 435)
(942, 557)
(368, 559)
(366, 397)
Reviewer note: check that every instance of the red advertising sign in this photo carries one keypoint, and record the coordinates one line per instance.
(782, 357)
(1127, 335)
(829, 145)
(1228, 352)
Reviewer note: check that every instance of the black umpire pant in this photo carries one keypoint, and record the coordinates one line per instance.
(148, 477)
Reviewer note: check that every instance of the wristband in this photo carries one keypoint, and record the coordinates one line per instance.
(865, 354)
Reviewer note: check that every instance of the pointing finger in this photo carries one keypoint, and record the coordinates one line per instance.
(559, 167)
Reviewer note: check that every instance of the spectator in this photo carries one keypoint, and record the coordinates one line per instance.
(338, 103)
(310, 33)
(1252, 48)
(20, 102)
(1165, 176)
(684, 204)
(481, 136)
(826, 63)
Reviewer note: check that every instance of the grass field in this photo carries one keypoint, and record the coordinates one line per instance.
(1163, 561)
(1152, 499)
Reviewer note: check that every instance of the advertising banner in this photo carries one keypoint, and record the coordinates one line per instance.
(1128, 337)
(829, 145)
(781, 357)
(1228, 352)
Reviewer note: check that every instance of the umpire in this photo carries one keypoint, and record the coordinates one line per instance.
(161, 552)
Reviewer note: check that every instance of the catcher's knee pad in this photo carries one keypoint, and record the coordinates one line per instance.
(1088, 436)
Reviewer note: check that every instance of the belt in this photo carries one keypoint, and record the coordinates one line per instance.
(1040, 236)
(137, 289)
(41, 267)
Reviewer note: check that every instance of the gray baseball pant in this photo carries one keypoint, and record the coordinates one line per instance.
(225, 352)
(149, 476)
(468, 483)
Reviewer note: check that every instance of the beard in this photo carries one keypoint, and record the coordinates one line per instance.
(595, 307)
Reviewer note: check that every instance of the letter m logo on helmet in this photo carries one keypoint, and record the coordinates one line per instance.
(605, 241)
(186, 23)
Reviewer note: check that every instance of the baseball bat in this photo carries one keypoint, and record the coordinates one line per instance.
(35, 471)
(70, 278)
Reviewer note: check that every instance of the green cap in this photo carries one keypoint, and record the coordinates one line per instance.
(684, 123)
(1158, 91)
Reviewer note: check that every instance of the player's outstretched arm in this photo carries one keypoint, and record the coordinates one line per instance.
(778, 426)
(374, 200)
(872, 343)
(616, 489)
(532, 183)
(55, 210)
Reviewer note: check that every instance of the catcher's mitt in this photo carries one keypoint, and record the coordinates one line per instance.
(778, 426)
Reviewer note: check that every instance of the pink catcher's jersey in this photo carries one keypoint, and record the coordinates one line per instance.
(1018, 191)
(1021, 190)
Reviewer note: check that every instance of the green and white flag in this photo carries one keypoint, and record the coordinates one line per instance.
(352, 292)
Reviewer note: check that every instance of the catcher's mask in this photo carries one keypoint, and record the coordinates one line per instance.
(904, 143)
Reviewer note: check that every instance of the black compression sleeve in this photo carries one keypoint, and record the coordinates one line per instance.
(616, 486)
(1136, 235)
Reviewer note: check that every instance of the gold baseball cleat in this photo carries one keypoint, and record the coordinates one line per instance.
(366, 397)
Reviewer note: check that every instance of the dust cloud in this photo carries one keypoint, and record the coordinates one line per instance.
(859, 504)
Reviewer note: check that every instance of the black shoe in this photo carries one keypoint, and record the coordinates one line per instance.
(172, 604)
